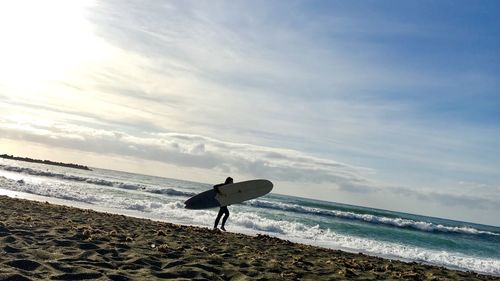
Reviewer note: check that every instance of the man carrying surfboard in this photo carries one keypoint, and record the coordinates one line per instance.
(223, 209)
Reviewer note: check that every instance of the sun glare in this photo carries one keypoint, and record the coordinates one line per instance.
(42, 42)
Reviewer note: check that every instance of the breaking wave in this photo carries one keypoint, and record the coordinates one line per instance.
(172, 192)
(395, 222)
(97, 181)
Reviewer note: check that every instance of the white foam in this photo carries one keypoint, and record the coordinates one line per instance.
(394, 250)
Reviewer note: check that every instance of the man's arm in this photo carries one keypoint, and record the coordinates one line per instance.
(216, 187)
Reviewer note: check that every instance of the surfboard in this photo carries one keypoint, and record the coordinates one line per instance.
(229, 194)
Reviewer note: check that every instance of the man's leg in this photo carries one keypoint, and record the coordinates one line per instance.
(226, 215)
(218, 218)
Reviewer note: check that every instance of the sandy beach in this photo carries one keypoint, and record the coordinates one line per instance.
(42, 241)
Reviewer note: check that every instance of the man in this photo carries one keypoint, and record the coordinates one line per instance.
(223, 209)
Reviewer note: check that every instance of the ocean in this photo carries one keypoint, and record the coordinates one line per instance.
(408, 237)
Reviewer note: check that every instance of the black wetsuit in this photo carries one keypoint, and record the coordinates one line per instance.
(222, 211)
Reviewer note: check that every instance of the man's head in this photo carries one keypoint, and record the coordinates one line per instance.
(229, 180)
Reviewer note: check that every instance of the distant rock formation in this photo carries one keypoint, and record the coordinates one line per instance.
(48, 162)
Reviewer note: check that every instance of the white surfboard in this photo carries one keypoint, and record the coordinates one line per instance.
(230, 194)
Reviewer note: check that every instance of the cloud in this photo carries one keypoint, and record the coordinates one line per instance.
(457, 199)
(191, 151)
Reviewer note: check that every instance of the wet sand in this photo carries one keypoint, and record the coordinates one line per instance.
(41, 241)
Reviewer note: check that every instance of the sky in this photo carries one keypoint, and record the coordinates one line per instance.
(385, 104)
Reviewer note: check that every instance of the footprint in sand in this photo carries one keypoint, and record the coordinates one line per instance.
(27, 265)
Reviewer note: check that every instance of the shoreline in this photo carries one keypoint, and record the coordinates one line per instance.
(46, 241)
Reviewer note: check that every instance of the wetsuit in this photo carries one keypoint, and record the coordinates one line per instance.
(222, 211)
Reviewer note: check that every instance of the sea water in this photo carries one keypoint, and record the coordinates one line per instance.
(442, 242)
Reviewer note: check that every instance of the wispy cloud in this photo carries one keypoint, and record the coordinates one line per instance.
(191, 151)
(461, 198)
